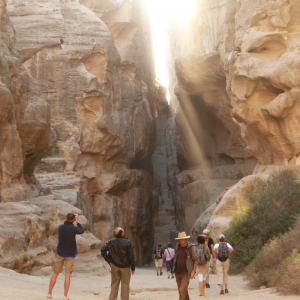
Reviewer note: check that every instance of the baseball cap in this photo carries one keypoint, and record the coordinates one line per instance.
(221, 236)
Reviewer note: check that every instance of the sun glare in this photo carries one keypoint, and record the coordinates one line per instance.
(160, 12)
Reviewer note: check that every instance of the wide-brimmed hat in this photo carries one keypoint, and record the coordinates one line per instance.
(181, 236)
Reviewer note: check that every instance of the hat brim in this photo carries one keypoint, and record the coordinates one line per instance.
(183, 238)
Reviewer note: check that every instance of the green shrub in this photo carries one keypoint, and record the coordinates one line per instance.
(270, 209)
(278, 263)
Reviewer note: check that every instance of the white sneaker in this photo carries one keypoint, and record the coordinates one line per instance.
(49, 296)
(66, 298)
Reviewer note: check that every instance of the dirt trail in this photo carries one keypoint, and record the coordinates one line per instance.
(145, 284)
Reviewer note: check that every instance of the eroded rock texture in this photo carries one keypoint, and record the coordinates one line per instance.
(24, 120)
(237, 86)
(92, 60)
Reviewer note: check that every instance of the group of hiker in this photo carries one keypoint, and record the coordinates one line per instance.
(189, 260)
(185, 261)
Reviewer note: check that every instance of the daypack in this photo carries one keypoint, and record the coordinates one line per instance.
(203, 254)
(158, 253)
(223, 252)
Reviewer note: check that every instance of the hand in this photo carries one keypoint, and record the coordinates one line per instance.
(111, 265)
(132, 272)
(192, 275)
(76, 218)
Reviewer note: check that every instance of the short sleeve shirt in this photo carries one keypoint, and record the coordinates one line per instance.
(161, 252)
(217, 246)
(169, 254)
(210, 242)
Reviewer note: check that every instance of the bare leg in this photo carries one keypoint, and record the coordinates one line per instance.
(160, 269)
(221, 285)
(168, 274)
(204, 283)
(156, 269)
(52, 282)
(67, 283)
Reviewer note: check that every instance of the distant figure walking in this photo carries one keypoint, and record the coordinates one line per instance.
(203, 268)
(185, 264)
(66, 252)
(169, 255)
(118, 252)
(222, 252)
(158, 257)
(210, 243)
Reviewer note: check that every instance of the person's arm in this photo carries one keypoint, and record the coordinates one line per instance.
(131, 258)
(104, 251)
(215, 252)
(79, 227)
(162, 253)
(230, 250)
(195, 259)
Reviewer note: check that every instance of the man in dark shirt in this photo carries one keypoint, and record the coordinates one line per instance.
(210, 243)
(118, 253)
(66, 252)
(185, 263)
(158, 257)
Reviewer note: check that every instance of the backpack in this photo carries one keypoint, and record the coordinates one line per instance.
(203, 254)
(223, 252)
(158, 253)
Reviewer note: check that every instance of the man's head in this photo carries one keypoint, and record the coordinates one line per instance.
(206, 232)
(182, 237)
(221, 238)
(119, 232)
(170, 245)
(159, 245)
(200, 239)
(70, 217)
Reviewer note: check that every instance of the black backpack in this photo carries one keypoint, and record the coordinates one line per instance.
(223, 252)
(158, 253)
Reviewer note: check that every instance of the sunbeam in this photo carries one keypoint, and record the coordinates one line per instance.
(160, 12)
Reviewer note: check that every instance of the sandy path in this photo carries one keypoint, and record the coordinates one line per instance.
(145, 283)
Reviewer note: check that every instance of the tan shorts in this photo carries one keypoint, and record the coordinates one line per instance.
(59, 263)
(159, 262)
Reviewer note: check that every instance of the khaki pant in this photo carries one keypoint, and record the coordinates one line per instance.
(117, 275)
(59, 263)
(209, 264)
(159, 262)
(183, 281)
(222, 269)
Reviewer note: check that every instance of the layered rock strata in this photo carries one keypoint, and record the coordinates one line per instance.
(237, 88)
(92, 62)
(24, 120)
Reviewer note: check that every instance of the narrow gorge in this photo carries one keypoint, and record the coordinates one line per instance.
(85, 129)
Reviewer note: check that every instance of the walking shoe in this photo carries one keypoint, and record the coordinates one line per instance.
(49, 296)
(207, 286)
(168, 277)
(66, 298)
(222, 292)
(157, 274)
(172, 276)
(226, 291)
(161, 273)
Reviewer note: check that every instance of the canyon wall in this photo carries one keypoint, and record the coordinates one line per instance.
(93, 63)
(237, 87)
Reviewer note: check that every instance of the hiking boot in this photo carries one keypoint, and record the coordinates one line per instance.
(157, 274)
(226, 291)
(161, 273)
(222, 292)
(172, 276)
(207, 286)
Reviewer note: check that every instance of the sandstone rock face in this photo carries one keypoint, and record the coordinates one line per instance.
(237, 88)
(24, 119)
(211, 153)
(93, 63)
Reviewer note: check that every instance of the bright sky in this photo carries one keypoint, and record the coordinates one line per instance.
(160, 12)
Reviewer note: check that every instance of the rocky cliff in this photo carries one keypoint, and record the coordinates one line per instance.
(237, 89)
(92, 63)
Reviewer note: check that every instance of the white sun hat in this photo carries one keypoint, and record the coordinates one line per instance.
(181, 236)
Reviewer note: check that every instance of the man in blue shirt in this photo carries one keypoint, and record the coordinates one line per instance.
(66, 252)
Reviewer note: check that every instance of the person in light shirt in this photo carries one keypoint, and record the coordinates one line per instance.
(222, 252)
(169, 255)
